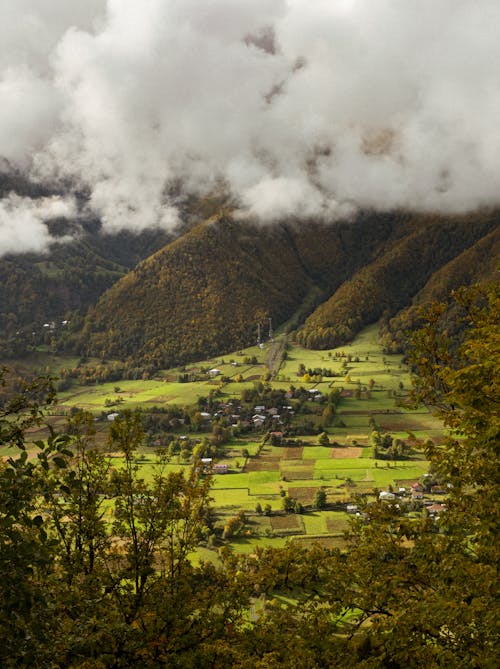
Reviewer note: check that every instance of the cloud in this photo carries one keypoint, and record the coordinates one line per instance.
(22, 222)
(302, 109)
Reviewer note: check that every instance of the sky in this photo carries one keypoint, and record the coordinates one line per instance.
(297, 108)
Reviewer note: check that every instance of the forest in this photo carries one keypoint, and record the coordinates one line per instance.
(205, 293)
(154, 300)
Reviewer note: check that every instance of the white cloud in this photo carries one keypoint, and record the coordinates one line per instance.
(304, 109)
(22, 222)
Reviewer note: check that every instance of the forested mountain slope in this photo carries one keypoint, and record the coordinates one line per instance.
(35, 288)
(69, 276)
(478, 264)
(404, 265)
(205, 293)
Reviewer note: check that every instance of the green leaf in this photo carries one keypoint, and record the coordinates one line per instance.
(59, 462)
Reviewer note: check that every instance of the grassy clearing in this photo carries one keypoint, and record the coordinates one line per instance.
(325, 522)
(132, 394)
(249, 545)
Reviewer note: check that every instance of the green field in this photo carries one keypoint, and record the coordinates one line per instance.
(371, 386)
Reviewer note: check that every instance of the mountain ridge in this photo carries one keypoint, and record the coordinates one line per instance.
(204, 293)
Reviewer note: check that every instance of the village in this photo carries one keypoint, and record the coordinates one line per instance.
(292, 454)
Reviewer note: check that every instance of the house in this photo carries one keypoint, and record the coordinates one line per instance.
(206, 463)
(219, 469)
(438, 490)
(314, 394)
(351, 508)
(436, 509)
(204, 415)
(386, 496)
(214, 372)
(417, 487)
(112, 416)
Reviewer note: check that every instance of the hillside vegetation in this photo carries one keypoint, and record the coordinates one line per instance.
(478, 264)
(40, 288)
(205, 293)
(403, 267)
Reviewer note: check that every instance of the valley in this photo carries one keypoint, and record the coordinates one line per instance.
(279, 437)
(249, 335)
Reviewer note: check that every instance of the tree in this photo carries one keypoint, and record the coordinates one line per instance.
(323, 439)
(328, 414)
(320, 498)
(298, 507)
(76, 500)
(448, 570)
(77, 591)
(288, 504)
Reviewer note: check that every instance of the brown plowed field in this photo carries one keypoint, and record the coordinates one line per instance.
(293, 453)
(263, 463)
(336, 525)
(290, 522)
(304, 495)
(346, 452)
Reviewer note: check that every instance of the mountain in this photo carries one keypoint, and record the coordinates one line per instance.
(157, 299)
(204, 293)
(63, 282)
(404, 265)
(478, 264)
(72, 275)
(41, 288)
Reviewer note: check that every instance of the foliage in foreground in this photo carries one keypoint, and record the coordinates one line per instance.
(80, 591)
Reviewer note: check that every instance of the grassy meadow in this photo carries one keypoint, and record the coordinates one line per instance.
(370, 386)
